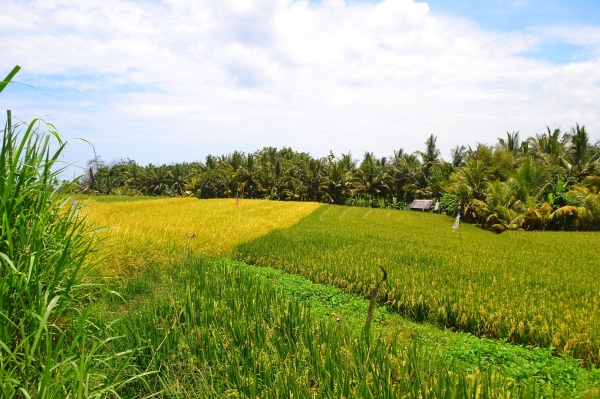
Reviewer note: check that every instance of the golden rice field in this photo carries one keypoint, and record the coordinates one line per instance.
(156, 232)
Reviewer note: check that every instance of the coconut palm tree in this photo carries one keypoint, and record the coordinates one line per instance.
(373, 177)
(538, 217)
(247, 176)
(469, 183)
(458, 155)
(430, 156)
(408, 175)
(549, 147)
(511, 143)
(583, 159)
(507, 217)
(314, 171)
(587, 195)
(156, 180)
(530, 180)
(339, 179)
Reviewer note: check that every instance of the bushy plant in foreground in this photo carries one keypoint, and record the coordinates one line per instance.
(47, 344)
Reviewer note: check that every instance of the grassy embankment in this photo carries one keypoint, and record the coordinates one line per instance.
(468, 353)
(215, 328)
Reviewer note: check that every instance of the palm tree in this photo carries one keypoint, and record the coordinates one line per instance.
(408, 175)
(278, 181)
(538, 217)
(469, 183)
(511, 143)
(211, 162)
(549, 147)
(273, 179)
(339, 179)
(583, 160)
(180, 178)
(458, 155)
(531, 180)
(372, 176)
(156, 180)
(587, 195)
(314, 179)
(247, 176)
(507, 218)
(438, 175)
(430, 156)
(235, 160)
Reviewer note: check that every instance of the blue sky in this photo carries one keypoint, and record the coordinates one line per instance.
(517, 15)
(170, 82)
(527, 15)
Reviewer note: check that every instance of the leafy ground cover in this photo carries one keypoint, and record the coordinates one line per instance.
(535, 289)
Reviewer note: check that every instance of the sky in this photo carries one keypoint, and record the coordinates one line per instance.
(173, 81)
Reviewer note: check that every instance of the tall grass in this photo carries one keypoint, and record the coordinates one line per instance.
(532, 288)
(48, 347)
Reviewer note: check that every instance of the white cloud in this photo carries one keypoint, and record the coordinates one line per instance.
(174, 81)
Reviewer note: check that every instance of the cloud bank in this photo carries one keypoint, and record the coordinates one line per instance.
(161, 82)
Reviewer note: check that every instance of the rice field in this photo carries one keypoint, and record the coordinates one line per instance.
(536, 289)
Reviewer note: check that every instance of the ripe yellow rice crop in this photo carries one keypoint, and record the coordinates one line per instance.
(163, 230)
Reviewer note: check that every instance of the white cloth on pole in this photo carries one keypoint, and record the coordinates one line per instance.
(456, 223)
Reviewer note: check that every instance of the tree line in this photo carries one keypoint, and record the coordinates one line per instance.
(547, 181)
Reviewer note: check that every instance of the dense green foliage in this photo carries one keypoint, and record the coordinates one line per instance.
(549, 181)
(530, 288)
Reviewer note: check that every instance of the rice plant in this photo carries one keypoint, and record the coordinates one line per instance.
(530, 288)
(161, 231)
(213, 330)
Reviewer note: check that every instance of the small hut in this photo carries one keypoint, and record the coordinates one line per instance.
(421, 205)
